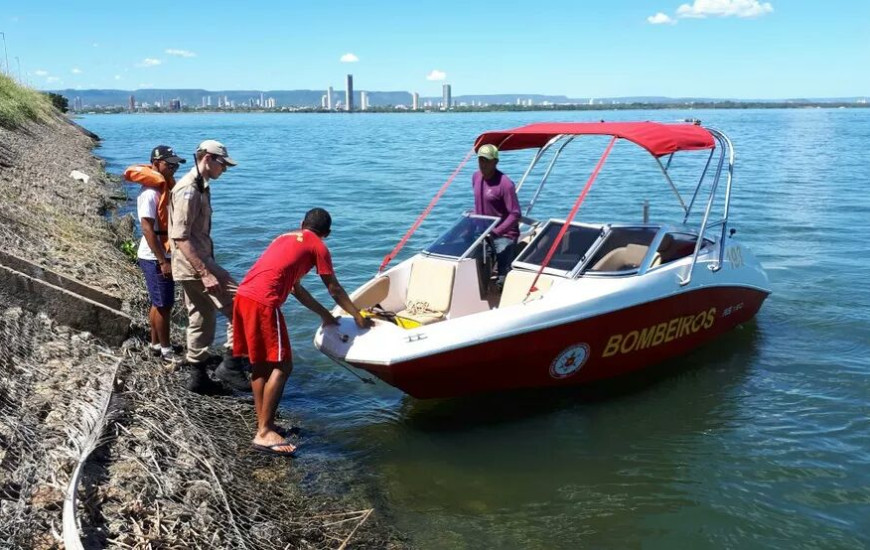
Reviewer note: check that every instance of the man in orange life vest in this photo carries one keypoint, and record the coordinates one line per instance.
(157, 180)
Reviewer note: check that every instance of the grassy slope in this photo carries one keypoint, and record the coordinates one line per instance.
(19, 104)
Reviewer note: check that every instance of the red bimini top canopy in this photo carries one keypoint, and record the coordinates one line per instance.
(657, 138)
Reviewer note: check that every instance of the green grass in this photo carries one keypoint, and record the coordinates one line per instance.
(19, 104)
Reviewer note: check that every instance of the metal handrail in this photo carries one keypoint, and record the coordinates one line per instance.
(535, 160)
(546, 175)
(725, 147)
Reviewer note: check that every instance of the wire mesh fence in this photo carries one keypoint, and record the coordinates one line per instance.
(174, 469)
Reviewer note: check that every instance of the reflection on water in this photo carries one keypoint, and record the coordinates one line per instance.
(760, 439)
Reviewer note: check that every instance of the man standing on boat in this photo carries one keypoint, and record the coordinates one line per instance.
(260, 331)
(208, 288)
(496, 195)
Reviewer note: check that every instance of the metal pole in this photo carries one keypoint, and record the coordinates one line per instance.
(8, 69)
(645, 212)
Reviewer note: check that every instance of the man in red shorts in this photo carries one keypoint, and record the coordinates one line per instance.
(259, 330)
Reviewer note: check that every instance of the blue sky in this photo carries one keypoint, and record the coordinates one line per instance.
(701, 48)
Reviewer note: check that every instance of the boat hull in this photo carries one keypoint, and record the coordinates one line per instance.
(579, 352)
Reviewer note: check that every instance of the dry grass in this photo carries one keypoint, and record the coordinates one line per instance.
(19, 104)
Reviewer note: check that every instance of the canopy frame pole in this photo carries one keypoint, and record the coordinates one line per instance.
(671, 183)
(535, 160)
(570, 217)
(698, 187)
(726, 144)
(685, 280)
(547, 173)
(389, 257)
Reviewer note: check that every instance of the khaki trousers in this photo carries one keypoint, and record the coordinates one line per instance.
(202, 309)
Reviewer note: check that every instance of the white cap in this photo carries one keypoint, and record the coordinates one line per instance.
(216, 148)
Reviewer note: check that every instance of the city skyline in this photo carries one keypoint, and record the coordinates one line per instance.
(703, 48)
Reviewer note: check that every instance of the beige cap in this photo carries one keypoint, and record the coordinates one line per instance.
(216, 148)
(488, 151)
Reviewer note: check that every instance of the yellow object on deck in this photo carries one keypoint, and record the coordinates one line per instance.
(402, 322)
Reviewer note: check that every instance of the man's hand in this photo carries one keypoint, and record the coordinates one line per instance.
(363, 322)
(166, 269)
(329, 319)
(211, 283)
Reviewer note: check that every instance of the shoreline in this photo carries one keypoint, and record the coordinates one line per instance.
(173, 467)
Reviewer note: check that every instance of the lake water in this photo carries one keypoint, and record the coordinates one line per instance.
(759, 440)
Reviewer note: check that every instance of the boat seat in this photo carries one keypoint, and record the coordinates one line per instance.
(373, 294)
(517, 284)
(430, 290)
(619, 259)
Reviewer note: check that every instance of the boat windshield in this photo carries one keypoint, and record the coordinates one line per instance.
(461, 239)
(572, 249)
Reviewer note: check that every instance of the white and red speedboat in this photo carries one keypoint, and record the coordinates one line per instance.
(583, 301)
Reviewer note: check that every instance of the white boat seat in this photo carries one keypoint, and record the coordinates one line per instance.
(373, 293)
(516, 286)
(430, 290)
(622, 258)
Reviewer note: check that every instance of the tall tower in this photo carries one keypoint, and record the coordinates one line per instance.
(348, 94)
(363, 101)
(415, 101)
(329, 98)
(132, 103)
(447, 96)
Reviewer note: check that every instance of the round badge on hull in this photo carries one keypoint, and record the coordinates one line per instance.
(569, 361)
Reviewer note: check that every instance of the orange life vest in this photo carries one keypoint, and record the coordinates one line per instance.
(146, 176)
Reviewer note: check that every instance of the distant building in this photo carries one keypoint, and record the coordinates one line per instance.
(415, 101)
(447, 96)
(262, 100)
(329, 98)
(348, 94)
(363, 101)
(323, 101)
(132, 103)
(208, 101)
(174, 104)
(203, 102)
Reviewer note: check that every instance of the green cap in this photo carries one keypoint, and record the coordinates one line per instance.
(489, 152)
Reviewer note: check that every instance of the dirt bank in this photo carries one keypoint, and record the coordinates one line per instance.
(171, 469)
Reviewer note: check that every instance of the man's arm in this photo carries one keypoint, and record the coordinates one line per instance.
(512, 205)
(212, 281)
(306, 299)
(156, 246)
(343, 300)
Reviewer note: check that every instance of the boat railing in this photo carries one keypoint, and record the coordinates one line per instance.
(726, 148)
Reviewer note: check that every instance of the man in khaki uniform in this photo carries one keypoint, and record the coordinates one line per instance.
(208, 288)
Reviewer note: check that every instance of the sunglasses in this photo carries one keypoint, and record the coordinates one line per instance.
(219, 159)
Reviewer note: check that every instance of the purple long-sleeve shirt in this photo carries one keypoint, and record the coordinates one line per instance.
(497, 196)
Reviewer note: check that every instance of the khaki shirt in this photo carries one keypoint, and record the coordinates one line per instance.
(190, 218)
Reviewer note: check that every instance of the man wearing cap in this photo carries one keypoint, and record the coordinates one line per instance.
(208, 288)
(495, 195)
(157, 180)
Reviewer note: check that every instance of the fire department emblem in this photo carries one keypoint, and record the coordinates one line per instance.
(569, 361)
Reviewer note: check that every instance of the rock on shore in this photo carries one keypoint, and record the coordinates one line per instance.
(173, 469)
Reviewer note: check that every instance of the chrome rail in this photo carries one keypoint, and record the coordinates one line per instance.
(546, 175)
(725, 147)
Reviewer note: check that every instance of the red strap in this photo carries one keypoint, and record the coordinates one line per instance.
(571, 216)
(389, 257)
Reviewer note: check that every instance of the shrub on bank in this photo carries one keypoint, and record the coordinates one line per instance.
(18, 104)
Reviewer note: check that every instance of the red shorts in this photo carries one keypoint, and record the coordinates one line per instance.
(259, 332)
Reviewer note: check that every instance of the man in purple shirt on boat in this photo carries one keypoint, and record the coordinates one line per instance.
(495, 195)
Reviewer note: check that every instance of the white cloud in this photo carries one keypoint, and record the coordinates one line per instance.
(76, 70)
(150, 62)
(40, 72)
(660, 19)
(180, 53)
(349, 58)
(436, 75)
(724, 8)
(52, 79)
